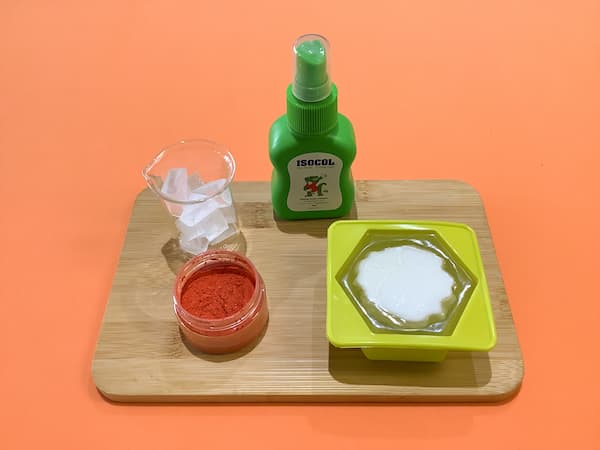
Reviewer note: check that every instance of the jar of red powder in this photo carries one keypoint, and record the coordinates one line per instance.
(220, 302)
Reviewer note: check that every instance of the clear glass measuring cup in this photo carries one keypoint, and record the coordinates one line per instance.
(192, 178)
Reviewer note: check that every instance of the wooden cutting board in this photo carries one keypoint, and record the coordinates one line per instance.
(140, 355)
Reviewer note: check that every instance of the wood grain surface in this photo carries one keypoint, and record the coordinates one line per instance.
(141, 357)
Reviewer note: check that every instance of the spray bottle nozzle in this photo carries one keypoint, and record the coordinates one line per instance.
(311, 78)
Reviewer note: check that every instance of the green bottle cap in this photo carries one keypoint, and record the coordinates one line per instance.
(311, 78)
(312, 97)
(312, 118)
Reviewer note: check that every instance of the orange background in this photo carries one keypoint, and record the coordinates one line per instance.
(504, 94)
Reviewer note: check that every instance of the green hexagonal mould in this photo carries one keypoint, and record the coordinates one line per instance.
(376, 240)
(469, 325)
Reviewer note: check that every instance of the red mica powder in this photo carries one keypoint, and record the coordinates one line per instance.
(220, 302)
(217, 293)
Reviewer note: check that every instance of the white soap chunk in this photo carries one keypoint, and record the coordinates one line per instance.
(225, 202)
(175, 185)
(194, 181)
(229, 214)
(195, 213)
(213, 225)
(202, 219)
(211, 188)
(210, 218)
(230, 231)
(197, 197)
(195, 245)
(405, 281)
(224, 198)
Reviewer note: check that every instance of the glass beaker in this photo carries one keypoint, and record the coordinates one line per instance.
(192, 178)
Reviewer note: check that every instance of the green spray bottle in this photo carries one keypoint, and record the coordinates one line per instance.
(312, 146)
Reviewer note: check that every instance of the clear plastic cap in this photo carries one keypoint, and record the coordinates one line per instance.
(311, 68)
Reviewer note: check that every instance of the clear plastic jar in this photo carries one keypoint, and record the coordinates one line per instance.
(231, 333)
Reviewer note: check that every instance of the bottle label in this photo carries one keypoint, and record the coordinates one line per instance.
(315, 182)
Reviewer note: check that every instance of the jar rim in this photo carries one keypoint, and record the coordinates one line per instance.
(208, 259)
